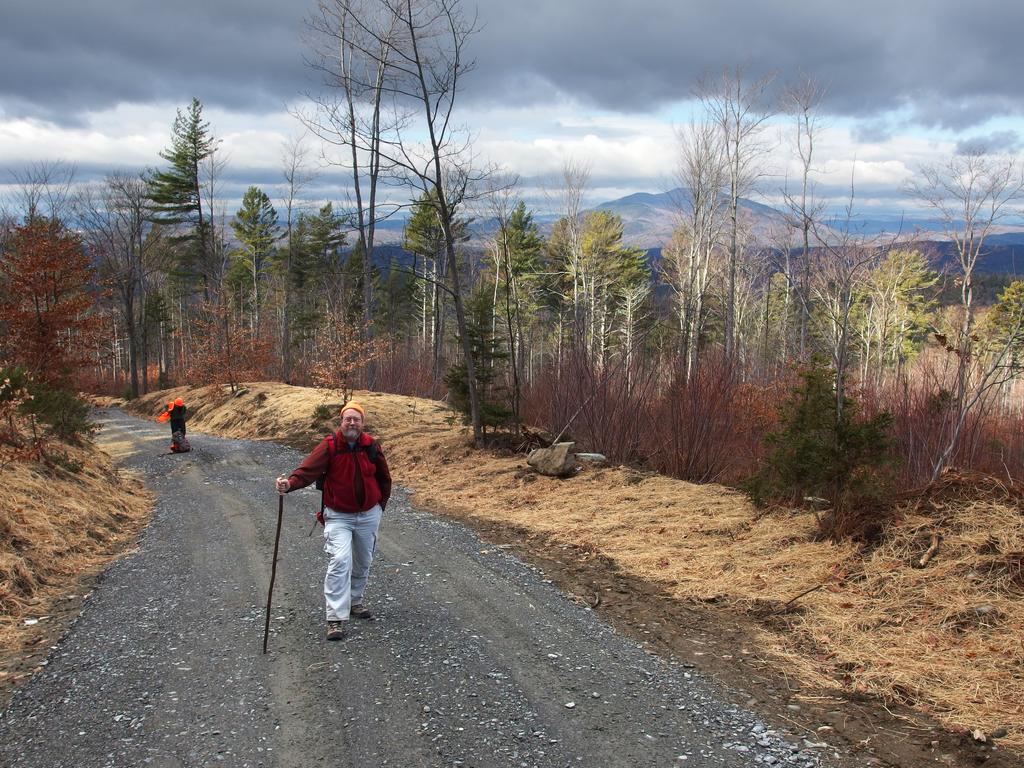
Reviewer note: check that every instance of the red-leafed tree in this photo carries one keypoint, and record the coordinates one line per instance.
(343, 356)
(45, 303)
(231, 352)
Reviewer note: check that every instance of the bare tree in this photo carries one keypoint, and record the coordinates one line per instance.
(844, 259)
(634, 298)
(418, 47)
(45, 189)
(503, 204)
(567, 196)
(114, 215)
(354, 48)
(753, 298)
(802, 100)
(971, 193)
(701, 175)
(297, 176)
(432, 66)
(212, 168)
(575, 176)
(737, 108)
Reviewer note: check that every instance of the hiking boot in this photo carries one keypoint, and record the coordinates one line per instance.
(335, 630)
(360, 611)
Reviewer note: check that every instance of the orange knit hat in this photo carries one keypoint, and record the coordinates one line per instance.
(179, 401)
(352, 405)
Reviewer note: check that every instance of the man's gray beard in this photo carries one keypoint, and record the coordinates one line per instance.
(351, 433)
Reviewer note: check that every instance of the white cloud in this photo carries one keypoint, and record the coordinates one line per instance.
(27, 141)
(132, 137)
(635, 157)
(625, 153)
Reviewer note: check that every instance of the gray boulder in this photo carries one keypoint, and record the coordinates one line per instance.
(556, 461)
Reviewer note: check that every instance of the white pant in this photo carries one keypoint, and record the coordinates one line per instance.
(349, 540)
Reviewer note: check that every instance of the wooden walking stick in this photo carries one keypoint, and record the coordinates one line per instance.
(273, 568)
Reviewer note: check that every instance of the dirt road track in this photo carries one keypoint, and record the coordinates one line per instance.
(474, 659)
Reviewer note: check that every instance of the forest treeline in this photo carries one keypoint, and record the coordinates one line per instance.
(807, 361)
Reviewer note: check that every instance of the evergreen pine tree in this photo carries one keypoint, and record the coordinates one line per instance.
(255, 225)
(175, 193)
(491, 361)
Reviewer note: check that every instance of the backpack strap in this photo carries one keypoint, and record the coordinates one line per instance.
(321, 481)
(371, 451)
(332, 451)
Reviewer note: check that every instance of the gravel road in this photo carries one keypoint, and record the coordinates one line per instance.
(473, 659)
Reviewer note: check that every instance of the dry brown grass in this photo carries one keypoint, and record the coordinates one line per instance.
(56, 526)
(947, 639)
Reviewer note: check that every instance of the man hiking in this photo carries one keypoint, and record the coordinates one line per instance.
(356, 486)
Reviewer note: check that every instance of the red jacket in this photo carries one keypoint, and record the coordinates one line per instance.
(354, 483)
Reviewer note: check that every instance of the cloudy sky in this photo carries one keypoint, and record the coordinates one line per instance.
(96, 83)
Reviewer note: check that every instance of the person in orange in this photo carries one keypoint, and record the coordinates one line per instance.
(175, 413)
(357, 486)
(178, 414)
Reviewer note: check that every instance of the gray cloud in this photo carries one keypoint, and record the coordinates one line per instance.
(947, 64)
(997, 141)
(872, 131)
(60, 58)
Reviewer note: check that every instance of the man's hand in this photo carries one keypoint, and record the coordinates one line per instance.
(282, 485)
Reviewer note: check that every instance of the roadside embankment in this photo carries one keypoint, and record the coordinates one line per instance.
(61, 522)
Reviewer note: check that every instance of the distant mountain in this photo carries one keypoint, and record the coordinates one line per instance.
(649, 219)
(1002, 254)
(888, 224)
(1006, 239)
